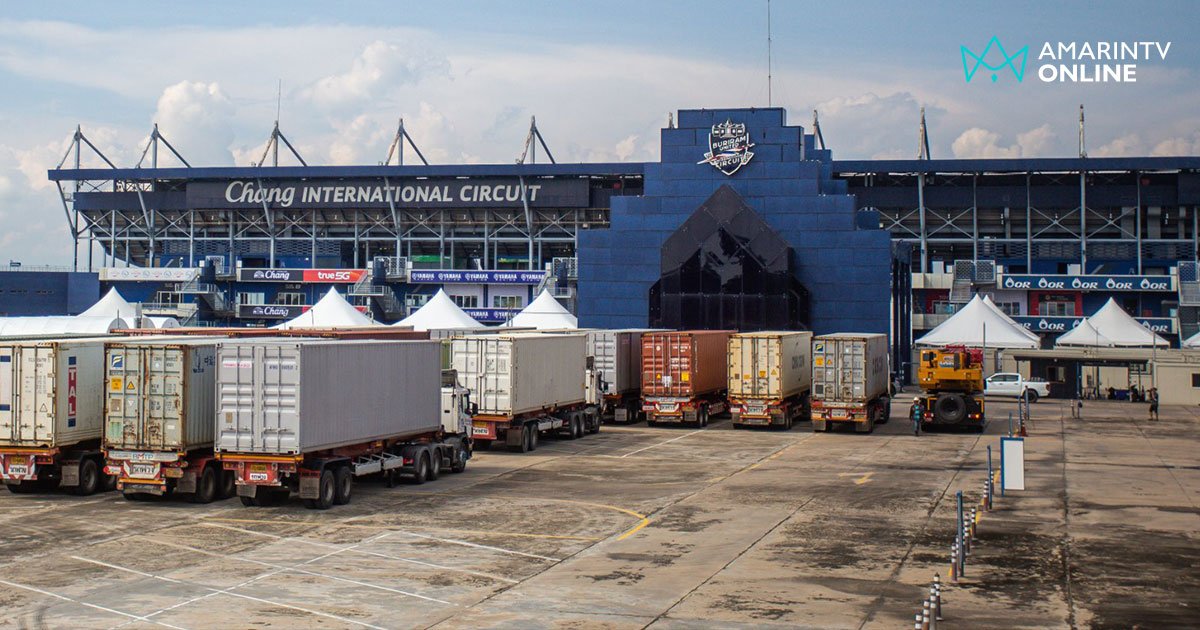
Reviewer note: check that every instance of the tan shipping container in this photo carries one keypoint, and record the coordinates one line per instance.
(770, 365)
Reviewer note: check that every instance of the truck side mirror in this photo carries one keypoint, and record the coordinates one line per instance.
(473, 408)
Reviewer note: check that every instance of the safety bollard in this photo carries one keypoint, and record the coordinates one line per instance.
(926, 617)
(917, 622)
(974, 523)
(937, 599)
(954, 562)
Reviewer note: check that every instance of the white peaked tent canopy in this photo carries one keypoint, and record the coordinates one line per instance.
(44, 326)
(1116, 327)
(1192, 342)
(543, 313)
(112, 305)
(439, 313)
(163, 322)
(970, 325)
(331, 311)
(987, 300)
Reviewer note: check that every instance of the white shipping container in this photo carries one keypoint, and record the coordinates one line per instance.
(509, 375)
(618, 358)
(849, 368)
(51, 392)
(161, 394)
(770, 365)
(293, 396)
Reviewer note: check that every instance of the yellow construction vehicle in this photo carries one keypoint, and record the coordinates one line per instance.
(951, 380)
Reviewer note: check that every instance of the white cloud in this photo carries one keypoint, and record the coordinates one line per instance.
(196, 118)
(977, 142)
(1126, 145)
(1179, 145)
(380, 68)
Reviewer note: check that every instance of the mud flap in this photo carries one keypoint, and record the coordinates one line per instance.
(247, 491)
(514, 436)
(310, 486)
(621, 414)
(187, 483)
(819, 425)
(70, 474)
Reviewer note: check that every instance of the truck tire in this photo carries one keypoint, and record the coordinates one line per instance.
(576, 427)
(459, 462)
(595, 422)
(206, 486)
(89, 478)
(421, 471)
(326, 491)
(24, 487)
(703, 416)
(1032, 395)
(886, 411)
(435, 463)
(228, 484)
(343, 481)
(534, 436)
(949, 409)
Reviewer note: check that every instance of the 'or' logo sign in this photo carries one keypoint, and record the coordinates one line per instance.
(994, 59)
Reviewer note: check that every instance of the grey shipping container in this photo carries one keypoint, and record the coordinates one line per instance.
(51, 392)
(618, 358)
(849, 368)
(510, 375)
(294, 397)
(161, 394)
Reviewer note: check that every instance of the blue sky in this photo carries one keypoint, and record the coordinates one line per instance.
(601, 78)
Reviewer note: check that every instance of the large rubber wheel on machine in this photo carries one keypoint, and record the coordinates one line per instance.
(89, 478)
(206, 486)
(950, 408)
(343, 482)
(326, 492)
(459, 461)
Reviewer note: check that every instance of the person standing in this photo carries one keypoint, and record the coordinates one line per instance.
(1152, 398)
(917, 414)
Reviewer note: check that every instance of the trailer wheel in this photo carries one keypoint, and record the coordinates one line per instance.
(326, 492)
(459, 462)
(228, 484)
(435, 463)
(596, 421)
(422, 471)
(344, 485)
(24, 487)
(206, 486)
(89, 478)
(534, 435)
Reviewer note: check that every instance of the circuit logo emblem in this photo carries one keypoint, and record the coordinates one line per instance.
(1014, 62)
(728, 147)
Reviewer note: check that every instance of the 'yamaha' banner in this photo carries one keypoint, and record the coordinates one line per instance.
(491, 315)
(1086, 283)
(403, 193)
(446, 276)
(1164, 325)
(316, 276)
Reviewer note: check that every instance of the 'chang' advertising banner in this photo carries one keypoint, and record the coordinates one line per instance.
(1163, 325)
(1086, 283)
(403, 193)
(315, 276)
(447, 276)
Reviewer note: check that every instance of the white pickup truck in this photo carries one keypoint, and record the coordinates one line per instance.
(1014, 385)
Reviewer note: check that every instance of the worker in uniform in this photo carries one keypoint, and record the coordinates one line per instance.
(917, 414)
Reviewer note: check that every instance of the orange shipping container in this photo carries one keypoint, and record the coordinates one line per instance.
(684, 364)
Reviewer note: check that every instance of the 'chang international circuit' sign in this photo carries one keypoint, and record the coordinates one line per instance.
(401, 193)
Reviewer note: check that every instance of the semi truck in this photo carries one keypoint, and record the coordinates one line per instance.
(311, 416)
(617, 356)
(684, 376)
(51, 415)
(770, 377)
(850, 381)
(524, 385)
(159, 412)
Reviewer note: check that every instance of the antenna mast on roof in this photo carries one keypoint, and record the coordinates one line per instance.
(1082, 146)
(397, 147)
(152, 149)
(817, 131)
(272, 147)
(769, 101)
(923, 149)
(530, 150)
